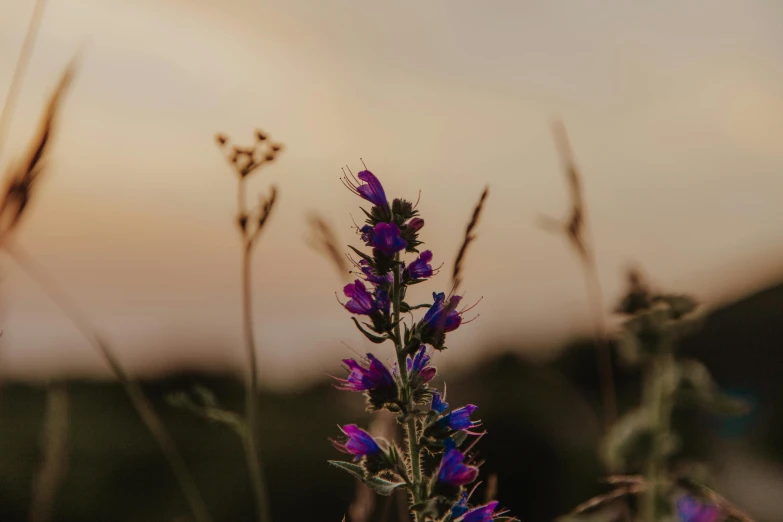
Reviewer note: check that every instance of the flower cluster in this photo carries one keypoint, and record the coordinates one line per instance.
(430, 463)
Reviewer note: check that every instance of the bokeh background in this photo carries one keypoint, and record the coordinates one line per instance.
(675, 112)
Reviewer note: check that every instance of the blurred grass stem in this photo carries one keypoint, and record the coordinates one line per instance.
(54, 446)
(21, 66)
(251, 439)
(138, 398)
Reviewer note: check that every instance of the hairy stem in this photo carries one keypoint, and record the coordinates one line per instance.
(251, 438)
(412, 436)
(138, 398)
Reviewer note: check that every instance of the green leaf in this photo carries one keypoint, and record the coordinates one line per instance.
(377, 339)
(382, 486)
(379, 485)
(354, 469)
(362, 255)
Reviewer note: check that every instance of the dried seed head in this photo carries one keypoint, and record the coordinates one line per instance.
(260, 136)
(221, 139)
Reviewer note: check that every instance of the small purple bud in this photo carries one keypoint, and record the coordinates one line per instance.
(420, 365)
(415, 224)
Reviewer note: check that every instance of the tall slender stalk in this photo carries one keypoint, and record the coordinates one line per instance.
(251, 439)
(577, 230)
(244, 161)
(138, 398)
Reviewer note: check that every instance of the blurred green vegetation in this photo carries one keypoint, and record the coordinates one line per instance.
(542, 432)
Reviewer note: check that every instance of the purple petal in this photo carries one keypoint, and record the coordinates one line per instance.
(372, 190)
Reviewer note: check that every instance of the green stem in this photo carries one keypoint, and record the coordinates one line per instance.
(414, 452)
(251, 438)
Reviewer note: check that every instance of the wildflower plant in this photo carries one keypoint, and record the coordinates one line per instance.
(433, 462)
(642, 447)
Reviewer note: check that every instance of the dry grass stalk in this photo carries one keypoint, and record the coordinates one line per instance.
(324, 241)
(576, 231)
(469, 237)
(20, 189)
(22, 179)
(21, 66)
(244, 161)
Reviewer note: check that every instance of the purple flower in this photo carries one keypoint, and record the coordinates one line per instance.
(371, 189)
(438, 404)
(415, 224)
(359, 443)
(480, 514)
(386, 238)
(453, 471)
(443, 317)
(420, 268)
(361, 301)
(371, 374)
(692, 510)
(419, 365)
(459, 419)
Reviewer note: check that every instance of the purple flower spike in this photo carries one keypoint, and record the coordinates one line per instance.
(420, 365)
(359, 444)
(371, 374)
(453, 471)
(438, 404)
(371, 189)
(415, 224)
(387, 238)
(421, 268)
(480, 514)
(361, 302)
(692, 510)
(459, 419)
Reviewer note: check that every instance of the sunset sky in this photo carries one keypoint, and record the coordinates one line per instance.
(675, 112)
